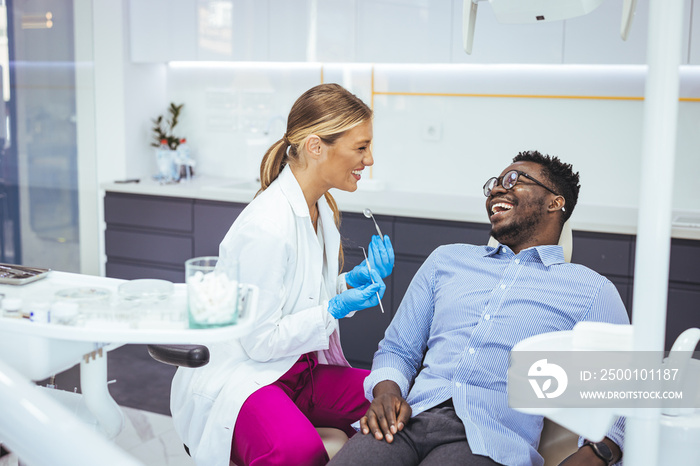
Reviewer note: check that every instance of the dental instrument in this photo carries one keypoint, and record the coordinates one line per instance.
(368, 214)
(369, 267)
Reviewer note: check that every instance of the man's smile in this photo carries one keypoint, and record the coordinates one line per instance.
(500, 207)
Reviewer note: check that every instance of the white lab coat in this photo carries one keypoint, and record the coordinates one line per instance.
(279, 251)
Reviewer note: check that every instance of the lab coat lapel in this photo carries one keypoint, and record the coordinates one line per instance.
(309, 249)
(331, 239)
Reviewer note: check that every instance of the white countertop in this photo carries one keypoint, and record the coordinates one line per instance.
(596, 218)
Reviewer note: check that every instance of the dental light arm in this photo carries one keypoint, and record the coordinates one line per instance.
(534, 11)
(628, 8)
(468, 23)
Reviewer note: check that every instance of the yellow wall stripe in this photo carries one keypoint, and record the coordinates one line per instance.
(511, 96)
(516, 96)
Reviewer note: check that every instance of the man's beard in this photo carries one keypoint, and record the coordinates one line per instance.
(516, 232)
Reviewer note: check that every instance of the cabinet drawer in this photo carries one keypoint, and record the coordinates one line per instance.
(360, 336)
(685, 261)
(607, 254)
(212, 221)
(420, 238)
(682, 312)
(136, 271)
(148, 247)
(149, 212)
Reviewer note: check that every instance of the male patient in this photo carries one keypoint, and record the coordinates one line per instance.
(438, 386)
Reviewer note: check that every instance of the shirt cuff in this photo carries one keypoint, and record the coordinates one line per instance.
(382, 374)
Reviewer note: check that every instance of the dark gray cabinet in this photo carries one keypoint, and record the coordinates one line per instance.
(683, 310)
(212, 221)
(610, 255)
(152, 237)
(613, 256)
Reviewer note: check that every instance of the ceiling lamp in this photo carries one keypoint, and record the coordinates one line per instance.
(534, 11)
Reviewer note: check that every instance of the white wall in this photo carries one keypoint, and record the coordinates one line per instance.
(483, 112)
(590, 116)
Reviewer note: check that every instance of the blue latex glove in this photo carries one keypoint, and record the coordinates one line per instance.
(381, 255)
(358, 276)
(358, 298)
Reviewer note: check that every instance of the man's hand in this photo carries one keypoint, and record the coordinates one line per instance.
(388, 413)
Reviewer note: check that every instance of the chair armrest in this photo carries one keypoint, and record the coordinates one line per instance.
(180, 355)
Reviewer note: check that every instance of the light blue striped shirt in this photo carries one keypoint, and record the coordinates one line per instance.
(468, 306)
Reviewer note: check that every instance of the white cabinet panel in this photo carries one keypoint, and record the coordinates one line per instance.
(289, 30)
(495, 42)
(403, 31)
(337, 31)
(233, 30)
(694, 48)
(595, 38)
(166, 30)
(382, 31)
(162, 30)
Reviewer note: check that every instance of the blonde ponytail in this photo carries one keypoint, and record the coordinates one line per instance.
(273, 163)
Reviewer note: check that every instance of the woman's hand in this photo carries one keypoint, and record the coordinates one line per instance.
(358, 276)
(381, 255)
(355, 299)
(381, 259)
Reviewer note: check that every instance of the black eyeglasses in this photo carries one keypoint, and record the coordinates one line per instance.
(509, 180)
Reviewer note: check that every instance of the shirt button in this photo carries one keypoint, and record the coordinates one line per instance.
(458, 384)
(503, 286)
(487, 317)
(517, 261)
(472, 351)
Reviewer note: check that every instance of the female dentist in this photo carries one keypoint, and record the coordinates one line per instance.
(259, 398)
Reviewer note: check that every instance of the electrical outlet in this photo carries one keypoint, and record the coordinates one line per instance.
(432, 131)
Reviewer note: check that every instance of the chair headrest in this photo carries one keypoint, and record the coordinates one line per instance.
(566, 241)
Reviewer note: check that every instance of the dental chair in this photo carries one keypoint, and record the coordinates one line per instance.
(556, 442)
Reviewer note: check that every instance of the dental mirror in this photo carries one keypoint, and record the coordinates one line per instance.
(368, 214)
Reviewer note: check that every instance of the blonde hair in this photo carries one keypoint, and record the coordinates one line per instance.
(326, 110)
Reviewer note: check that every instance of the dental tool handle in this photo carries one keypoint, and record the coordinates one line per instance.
(378, 230)
(369, 267)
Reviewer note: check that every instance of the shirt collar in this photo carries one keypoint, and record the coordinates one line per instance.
(549, 254)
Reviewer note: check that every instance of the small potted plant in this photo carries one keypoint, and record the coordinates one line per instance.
(166, 144)
(163, 129)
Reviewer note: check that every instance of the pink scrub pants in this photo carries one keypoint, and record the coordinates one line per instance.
(276, 423)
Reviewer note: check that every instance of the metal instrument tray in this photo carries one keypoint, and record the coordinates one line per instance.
(13, 274)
